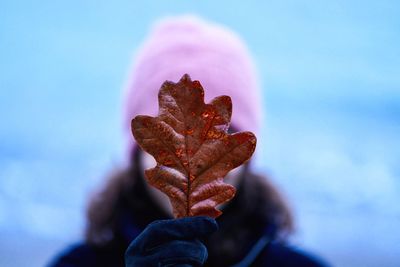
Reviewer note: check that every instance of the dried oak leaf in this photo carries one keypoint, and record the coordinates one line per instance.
(193, 150)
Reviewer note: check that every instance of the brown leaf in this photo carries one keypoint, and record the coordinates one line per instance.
(193, 150)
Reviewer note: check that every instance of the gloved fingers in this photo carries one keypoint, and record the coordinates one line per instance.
(162, 231)
(173, 253)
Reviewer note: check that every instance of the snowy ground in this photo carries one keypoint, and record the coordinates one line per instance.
(331, 142)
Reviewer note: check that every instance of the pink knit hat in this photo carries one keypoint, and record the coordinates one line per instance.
(208, 52)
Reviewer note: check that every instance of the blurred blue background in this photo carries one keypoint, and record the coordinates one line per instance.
(331, 80)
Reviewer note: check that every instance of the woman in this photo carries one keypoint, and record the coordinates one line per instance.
(254, 226)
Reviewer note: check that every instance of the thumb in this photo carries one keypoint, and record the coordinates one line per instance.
(187, 228)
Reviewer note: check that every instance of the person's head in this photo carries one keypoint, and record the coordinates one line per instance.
(208, 52)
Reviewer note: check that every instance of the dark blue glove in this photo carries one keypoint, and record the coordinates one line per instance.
(171, 243)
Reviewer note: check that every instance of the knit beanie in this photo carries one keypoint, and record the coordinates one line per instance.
(209, 53)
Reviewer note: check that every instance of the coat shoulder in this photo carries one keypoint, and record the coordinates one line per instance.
(279, 255)
(80, 255)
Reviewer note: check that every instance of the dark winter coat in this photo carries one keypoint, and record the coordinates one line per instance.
(251, 230)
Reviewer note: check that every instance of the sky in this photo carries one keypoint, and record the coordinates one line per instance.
(330, 74)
